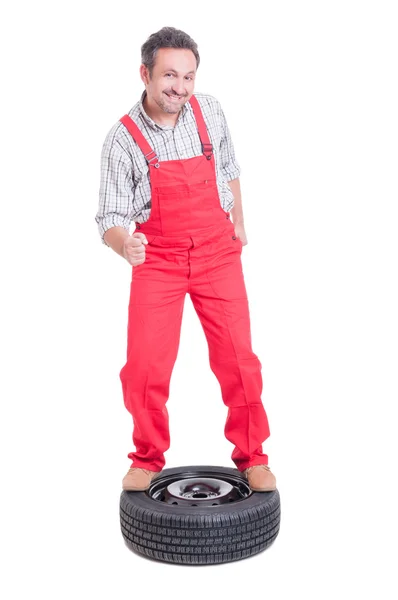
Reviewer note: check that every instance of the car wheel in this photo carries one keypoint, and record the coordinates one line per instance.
(199, 515)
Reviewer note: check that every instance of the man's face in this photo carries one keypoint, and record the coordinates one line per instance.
(173, 77)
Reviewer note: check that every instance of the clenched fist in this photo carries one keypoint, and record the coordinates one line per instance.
(134, 249)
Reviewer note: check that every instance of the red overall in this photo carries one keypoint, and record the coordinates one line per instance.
(191, 249)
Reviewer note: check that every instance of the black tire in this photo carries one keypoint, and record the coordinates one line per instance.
(196, 535)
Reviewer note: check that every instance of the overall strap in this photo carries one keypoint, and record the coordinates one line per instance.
(141, 141)
(207, 147)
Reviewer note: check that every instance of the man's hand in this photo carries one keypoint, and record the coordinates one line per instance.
(240, 233)
(134, 249)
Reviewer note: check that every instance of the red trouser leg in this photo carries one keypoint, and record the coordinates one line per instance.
(220, 300)
(154, 325)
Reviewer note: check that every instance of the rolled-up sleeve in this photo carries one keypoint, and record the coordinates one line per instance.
(116, 193)
(230, 168)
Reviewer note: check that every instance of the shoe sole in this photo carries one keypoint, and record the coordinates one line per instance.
(261, 489)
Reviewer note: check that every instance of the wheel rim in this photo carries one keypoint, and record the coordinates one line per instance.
(199, 489)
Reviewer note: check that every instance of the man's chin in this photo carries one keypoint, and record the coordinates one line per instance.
(171, 110)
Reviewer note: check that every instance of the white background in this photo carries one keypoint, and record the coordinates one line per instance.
(309, 90)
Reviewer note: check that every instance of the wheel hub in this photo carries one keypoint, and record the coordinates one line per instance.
(198, 490)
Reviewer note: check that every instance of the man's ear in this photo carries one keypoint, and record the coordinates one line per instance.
(144, 74)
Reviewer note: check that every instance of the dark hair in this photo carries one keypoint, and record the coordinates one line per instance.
(167, 37)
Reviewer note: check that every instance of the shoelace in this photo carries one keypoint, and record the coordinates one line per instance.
(139, 468)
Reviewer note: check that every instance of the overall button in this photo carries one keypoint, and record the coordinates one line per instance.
(234, 237)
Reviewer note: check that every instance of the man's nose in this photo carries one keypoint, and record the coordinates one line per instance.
(179, 87)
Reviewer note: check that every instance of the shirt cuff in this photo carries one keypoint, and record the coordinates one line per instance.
(231, 172)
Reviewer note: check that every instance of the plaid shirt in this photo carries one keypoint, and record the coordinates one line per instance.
(125, 192)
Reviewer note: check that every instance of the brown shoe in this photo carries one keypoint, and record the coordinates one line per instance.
(138, 480)
(260, 478)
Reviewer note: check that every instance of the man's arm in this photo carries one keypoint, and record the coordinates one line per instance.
(236, 210)
(230, 170)
(114, 237)
(116, 194)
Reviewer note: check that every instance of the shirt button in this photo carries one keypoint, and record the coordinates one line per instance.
(234, 237)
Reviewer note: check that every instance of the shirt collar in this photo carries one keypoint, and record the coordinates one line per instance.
(151, 122)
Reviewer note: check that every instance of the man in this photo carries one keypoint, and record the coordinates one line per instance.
(169, 165)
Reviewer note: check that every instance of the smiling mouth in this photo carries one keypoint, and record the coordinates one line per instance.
(174, 97)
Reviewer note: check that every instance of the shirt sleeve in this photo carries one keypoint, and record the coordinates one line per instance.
(230, 168)
(116, 193)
